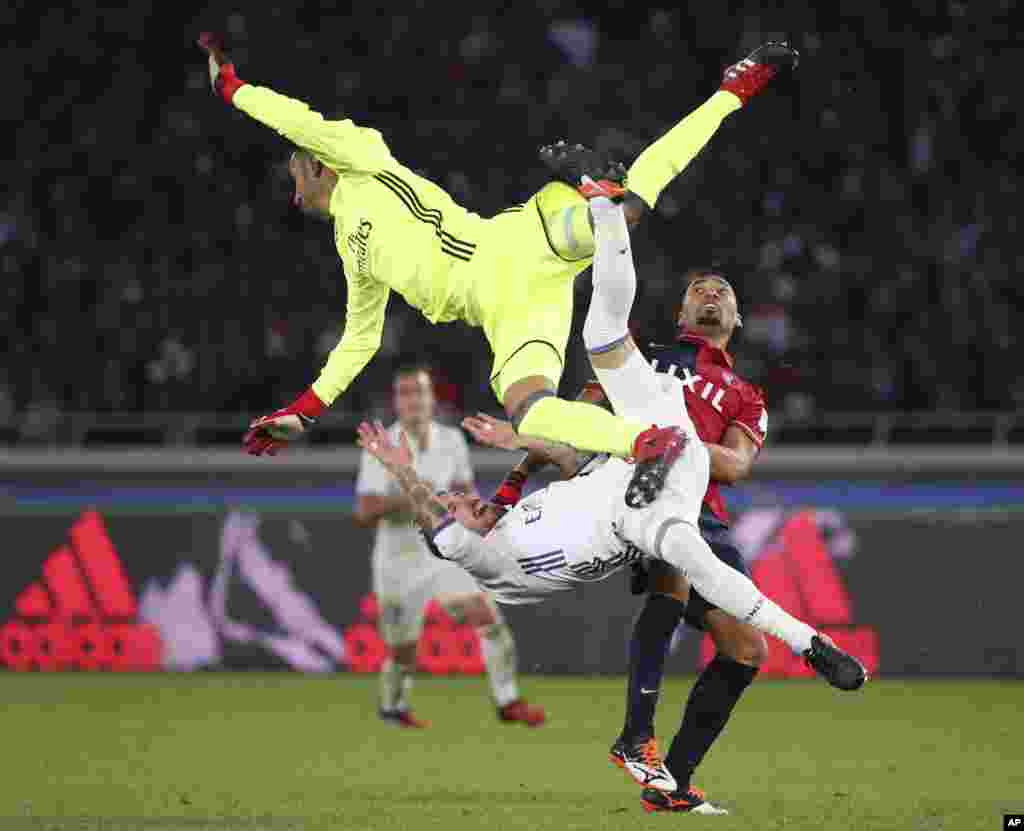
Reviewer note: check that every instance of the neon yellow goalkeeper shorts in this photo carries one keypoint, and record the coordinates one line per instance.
(524, 276)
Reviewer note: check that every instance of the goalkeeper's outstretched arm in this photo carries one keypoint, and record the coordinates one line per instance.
(340, 145)
(364, 327)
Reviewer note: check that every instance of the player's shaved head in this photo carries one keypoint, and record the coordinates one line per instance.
(710, 307)
(695, 274)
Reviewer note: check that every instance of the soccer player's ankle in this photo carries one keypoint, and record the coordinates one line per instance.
(632, 735)
(682, 782)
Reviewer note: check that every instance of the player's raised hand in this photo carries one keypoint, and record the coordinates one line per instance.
(493, 432)
(269, 434)
(374, 439)
(223, 79)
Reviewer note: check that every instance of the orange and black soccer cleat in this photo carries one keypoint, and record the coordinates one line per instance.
(589, 172)
(641, 760)
(751, 75)
(654, 452)
(404, 718)
(523, 712)
(691, 801)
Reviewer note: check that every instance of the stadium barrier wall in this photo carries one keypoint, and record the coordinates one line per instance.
(136, 561)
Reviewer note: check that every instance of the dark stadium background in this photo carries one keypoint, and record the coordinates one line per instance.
(867, 213)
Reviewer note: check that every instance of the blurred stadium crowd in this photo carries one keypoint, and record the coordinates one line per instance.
(866, 212)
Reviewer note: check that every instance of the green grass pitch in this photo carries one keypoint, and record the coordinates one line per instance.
(278, 751)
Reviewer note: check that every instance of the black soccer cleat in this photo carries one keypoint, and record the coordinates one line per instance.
(751, 75)
(691, 801)
(654, 452)
(570, 163)
(842, 671)
(641, 760)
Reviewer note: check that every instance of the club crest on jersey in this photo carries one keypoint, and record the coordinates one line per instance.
(697, 384)
(533, 510)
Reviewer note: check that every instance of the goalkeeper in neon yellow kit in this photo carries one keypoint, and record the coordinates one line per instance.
(512, 275)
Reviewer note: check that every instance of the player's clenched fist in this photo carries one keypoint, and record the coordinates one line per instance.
(223, 79)
(269, 434)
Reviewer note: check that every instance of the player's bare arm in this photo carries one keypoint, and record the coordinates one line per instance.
(373, 507)
(427, 510)
(733, 459)
(495, 432)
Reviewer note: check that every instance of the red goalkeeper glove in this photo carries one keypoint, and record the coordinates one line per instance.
(223, 79)
(511, 490)
(270, 433)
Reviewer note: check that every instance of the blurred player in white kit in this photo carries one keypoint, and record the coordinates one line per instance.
(406, 577)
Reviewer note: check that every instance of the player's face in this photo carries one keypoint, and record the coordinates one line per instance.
(309, 188)
(472, 512)
(414, 398)
(709, 307)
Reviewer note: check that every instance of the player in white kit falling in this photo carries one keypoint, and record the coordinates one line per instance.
(582, 530)
(406, 577)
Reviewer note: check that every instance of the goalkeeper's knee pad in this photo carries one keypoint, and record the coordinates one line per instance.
(566, 221)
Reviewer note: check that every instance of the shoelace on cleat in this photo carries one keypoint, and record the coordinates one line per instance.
(649, 753)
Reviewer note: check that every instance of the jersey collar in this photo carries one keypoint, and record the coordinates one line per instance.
(718, 356)
(433, 436)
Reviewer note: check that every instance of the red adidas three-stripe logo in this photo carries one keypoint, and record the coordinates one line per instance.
(797, 572)
(81, 614)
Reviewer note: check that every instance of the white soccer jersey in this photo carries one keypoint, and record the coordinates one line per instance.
(555, 538)
(577, 531)
(398, 546)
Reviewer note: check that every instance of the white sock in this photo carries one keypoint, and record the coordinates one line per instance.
(395, 684)
(614, 277)
(682, 546)
(499, 650)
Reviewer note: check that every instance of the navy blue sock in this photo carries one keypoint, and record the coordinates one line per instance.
(708, 708)
(652, 634)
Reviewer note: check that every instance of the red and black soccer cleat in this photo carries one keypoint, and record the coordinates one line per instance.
(523, 712)
(751, 75)
(691, 801)
(404, 718)
(589, 172)
(654, 452)
(590, 189)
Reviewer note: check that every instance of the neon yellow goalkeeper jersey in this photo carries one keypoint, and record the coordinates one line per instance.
(393, 229)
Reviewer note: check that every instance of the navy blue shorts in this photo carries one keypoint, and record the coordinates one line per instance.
(718, 538)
